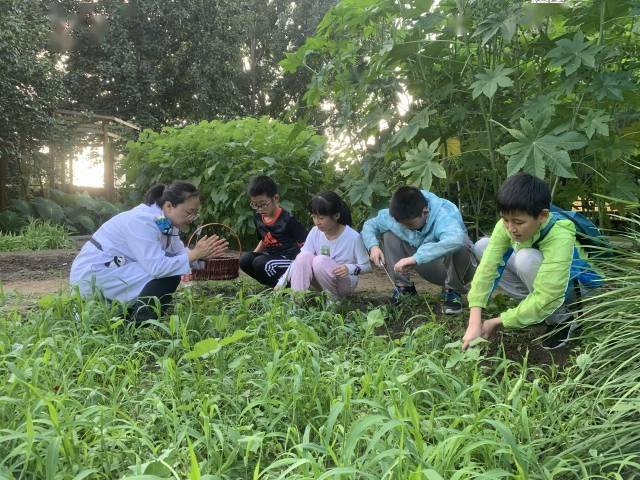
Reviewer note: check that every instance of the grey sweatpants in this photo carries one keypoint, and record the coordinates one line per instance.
(519, 275)
(453, 271)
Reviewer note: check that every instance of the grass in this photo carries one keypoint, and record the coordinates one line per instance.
(37, 235)
(242, 384)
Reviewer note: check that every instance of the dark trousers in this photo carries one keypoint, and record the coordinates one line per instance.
(158, 290)
(263, 267)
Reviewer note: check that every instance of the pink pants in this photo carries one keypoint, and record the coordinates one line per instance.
(311, 271)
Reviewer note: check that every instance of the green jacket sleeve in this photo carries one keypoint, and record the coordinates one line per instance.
(487, 271)
(551, 281)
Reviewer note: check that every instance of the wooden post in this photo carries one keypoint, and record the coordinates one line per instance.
(107, 157)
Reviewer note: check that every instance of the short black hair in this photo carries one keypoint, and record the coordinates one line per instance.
(407, 203)
(176, 192)
(330, 203)
(523, 192)
(262, 185)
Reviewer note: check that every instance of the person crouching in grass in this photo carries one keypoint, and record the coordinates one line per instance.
(280, 234)
(545, 272)
(425, 233)
(137, 256)
(333, 255)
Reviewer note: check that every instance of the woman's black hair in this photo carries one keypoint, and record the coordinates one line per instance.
(176, 192)
(330, 203)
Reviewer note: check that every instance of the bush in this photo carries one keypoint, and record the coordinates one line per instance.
(79, 213)
(220, 157)
(36, 235)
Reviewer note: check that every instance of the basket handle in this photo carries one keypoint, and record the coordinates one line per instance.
(199, 229)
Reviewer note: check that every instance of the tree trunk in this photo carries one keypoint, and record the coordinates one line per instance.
(107, 157)
(4, 178)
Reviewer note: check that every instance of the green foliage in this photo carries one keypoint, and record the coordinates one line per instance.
(420, 166)
(221, 157)
(48, 210)
(548, 72)
(240, 384)
(538, 149)
(595, 121)
(31, 86)
(572, 54)
(80, 213)
(36, 235)
(487, 83)
(161, 63)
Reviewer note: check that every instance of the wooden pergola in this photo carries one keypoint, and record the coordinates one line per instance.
(102, 127)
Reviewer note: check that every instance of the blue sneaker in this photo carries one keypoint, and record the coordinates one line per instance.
(451, 302)
(402, 291)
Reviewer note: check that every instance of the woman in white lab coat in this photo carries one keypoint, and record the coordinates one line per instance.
(137, 256)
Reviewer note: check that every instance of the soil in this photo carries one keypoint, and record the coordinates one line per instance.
(47, 271)
(41, 272)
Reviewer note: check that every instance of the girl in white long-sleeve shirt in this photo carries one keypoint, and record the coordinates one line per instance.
(138, 255)
(333, 254)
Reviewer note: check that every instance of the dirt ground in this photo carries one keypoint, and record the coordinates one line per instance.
(47, 271)
(33, 274)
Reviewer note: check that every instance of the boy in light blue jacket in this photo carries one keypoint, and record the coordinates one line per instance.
(422, 231)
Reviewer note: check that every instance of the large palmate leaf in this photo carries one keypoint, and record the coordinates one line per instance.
(571, 54)
(418, 121)
(537, 149)
(506, 25)
(420, 166)
(595, 121)
(487, 83)
(364, 189)
(611, 85)
(540, 108)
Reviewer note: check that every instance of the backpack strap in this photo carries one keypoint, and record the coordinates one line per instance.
(544, 232)
(575, 283)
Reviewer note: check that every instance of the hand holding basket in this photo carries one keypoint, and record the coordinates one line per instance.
(223, 267)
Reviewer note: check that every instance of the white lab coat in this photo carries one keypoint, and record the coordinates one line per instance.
(148, 254)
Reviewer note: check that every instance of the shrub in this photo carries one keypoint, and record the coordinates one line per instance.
(220, 157)
(36, 235)
(80, 213)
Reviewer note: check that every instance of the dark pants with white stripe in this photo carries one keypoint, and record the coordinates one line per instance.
(263, 267)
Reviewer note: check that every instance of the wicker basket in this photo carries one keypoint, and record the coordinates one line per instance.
(226, 267)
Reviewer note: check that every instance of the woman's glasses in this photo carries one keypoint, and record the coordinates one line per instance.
(192, 215)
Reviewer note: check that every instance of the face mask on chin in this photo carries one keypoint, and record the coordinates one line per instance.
(164, 225)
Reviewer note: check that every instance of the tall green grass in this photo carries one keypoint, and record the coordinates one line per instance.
(36, 235)
(258, 386)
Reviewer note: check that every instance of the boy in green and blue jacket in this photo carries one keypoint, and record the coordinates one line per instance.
(532, 256)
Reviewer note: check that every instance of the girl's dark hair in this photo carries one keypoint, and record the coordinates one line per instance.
(330, 203)
(176, 193)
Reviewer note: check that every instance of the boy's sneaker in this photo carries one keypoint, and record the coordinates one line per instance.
(451, 302)
(560, 334)
(402, 291)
